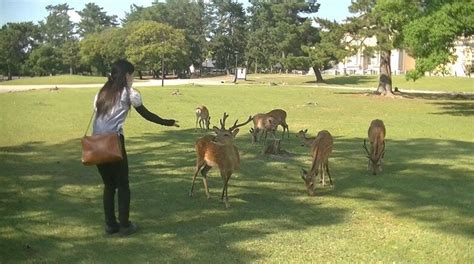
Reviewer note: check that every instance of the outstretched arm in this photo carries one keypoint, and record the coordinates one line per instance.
(153, 117)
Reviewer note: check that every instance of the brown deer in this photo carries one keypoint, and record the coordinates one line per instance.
(262, 123)
(377, 146)
(279, 115)
(321, 149)
(202, 116)
(305, 141)
(220, 151)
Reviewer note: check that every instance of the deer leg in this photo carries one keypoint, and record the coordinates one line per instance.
(204, 179)
(197, 118)
(225, 177)
(321, 173)
(198, 167)
(327, 171)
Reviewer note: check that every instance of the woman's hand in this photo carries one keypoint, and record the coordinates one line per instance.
(176, 123)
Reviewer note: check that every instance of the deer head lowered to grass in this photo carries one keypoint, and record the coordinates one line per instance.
(377, 146)
(262, 123)
(321, 149)
(218, 151)
(279, 115)
(202, 116)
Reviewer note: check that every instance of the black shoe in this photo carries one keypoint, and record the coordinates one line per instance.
(111, 230)
(126, 231)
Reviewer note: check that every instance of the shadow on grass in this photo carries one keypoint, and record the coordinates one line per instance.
(348, 80)
(50, 202)
(456, 104)
(427, 180)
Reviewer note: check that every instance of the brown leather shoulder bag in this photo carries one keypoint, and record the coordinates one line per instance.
(100, 148)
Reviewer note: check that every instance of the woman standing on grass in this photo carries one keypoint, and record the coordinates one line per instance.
(112, 105)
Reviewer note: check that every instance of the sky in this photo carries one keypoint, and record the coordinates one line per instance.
(34, 10)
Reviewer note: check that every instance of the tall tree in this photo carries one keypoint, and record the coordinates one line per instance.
(188, 15)
(58, 27)
(45, 60)
(228, 33)
(17, 40)
(329, 50)
(153, 43)
(433, 45)
(90, 53)
(94, 19)
(279, 29)
(384, 20)
(100, 50)
(70, 54)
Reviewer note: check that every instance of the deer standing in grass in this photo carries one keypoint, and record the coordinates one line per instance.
(202, 116)
(262, 123)
(218, 151)
(377, 146)
(279, 115)
(321, 149)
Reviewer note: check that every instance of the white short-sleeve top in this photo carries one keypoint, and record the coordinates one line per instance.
(114, 120)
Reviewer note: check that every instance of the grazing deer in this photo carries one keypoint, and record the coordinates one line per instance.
(377, 146)
(279, 115)
(321, 149)
(305, 141)
(202, 116)
(220, 151)
(262, 123)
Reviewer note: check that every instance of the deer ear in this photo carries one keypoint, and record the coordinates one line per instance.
(234, 133)
(306, 130)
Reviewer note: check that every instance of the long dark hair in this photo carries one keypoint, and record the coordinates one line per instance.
(110, 92)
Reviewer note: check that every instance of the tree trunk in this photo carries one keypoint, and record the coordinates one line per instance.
(385, 80)
(272, 146)
(9, 73)
(140, 75)
(319, 76)
(70, 70)
(256, 61)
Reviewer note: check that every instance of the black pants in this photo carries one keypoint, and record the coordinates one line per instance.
(115, 177)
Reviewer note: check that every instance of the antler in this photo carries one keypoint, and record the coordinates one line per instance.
(239, 125)
(222, 121)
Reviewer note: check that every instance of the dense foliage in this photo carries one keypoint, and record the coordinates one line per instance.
(265, 36)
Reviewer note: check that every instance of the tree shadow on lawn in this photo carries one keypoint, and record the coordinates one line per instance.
(50, 202)
(428, 180)
(455, 104)
(347, 80)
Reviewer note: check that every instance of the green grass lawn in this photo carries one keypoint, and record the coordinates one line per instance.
(448, 84)
(58, 79)
(419, 210)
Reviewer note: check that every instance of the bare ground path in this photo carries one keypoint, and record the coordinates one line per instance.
(227, 81)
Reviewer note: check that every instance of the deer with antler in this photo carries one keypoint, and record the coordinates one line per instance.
(377, 146)
(321, 149)
(279, 116)
(202, 116)
(218, 151)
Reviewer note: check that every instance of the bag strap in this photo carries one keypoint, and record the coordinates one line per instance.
(90, 121)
